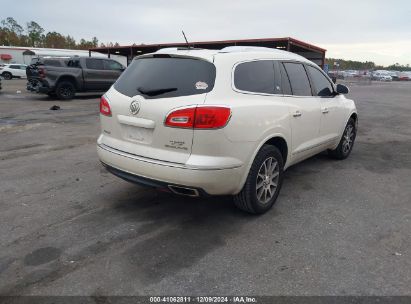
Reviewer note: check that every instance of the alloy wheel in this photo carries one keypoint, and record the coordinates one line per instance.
(348, 139)
(267, 180)
(65, 91)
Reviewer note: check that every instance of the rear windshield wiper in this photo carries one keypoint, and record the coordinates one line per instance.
(156, 91)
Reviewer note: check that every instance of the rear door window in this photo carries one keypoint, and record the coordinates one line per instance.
(94, 64)
(255, 76)
(285, 82)
(163, 77)
(300, 84)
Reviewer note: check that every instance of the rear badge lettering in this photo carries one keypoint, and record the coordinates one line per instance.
(178, 145)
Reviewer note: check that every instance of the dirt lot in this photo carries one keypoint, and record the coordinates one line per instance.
(69, 228)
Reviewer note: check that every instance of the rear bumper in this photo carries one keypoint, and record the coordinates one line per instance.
(38, 86)
(159, 174)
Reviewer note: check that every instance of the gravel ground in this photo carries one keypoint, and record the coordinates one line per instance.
(67, 227)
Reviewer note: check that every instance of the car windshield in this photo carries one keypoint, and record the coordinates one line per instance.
(166, 77)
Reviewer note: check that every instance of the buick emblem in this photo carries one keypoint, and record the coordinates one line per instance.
(134, 107)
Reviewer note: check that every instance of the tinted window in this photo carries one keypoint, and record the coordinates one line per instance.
(255, 76)
(112, 65)
(322, 86)
(94, 64)
(14, 67)
(166, 77)
(285, 82)
(298, 79)
(74, 63)
(56, 63)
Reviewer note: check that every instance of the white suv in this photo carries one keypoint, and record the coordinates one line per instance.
(218, 122)
(10, 71)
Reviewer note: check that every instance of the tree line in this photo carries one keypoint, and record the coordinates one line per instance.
(33, 35)
(367, 65)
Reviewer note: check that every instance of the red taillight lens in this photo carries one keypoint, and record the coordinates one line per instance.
(42, 72)
(183, 118)
(211, 117)
(105, 106)
(199, 118)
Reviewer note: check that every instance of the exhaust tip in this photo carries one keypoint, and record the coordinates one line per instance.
(184, 191)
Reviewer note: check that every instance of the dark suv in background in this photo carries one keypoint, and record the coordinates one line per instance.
(63, 77)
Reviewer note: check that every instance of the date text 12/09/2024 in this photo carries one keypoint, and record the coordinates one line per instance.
(203, 299)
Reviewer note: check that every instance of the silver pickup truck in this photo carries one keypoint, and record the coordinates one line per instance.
(63, 77)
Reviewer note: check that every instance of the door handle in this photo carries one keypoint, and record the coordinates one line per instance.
(325, 111)
(297, 114)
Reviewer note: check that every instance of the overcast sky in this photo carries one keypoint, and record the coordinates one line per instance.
(374, 30)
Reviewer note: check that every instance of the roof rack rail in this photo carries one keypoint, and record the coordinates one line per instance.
(231, 49)
(180, 48)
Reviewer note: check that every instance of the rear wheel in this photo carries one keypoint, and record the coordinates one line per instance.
(7, 75)
(65, 90)
(263, 182)
(346, 144)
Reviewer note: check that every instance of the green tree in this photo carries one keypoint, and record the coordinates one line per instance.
(54, 40)
(35, 32)
(10, 32)
(70, 42)
(95, 42)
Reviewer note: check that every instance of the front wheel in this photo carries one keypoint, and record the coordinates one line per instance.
(346, 144)
(263, 182)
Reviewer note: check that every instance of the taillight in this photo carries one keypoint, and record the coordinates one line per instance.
(182, 118)
(211, 117)
(104, 107)
(42, 72)
(199, 117)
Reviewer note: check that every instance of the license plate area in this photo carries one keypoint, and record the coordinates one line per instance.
(137, 134)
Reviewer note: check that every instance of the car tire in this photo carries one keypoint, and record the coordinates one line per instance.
(346, 143)
(263, 183)
(65, 90)
(7, 75)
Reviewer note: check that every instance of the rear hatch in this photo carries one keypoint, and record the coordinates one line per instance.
(143, 96)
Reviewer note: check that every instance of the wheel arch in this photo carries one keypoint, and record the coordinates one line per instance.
(70, 78)
(277, 140)
(7, 72)
(354, 116)
(280, 143)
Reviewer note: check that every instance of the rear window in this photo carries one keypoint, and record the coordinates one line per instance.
(55, 63)
(166, 77)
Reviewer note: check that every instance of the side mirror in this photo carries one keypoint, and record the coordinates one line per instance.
(342, 89)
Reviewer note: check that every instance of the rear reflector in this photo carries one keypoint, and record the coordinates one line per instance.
(105, 106)
(199, 118)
